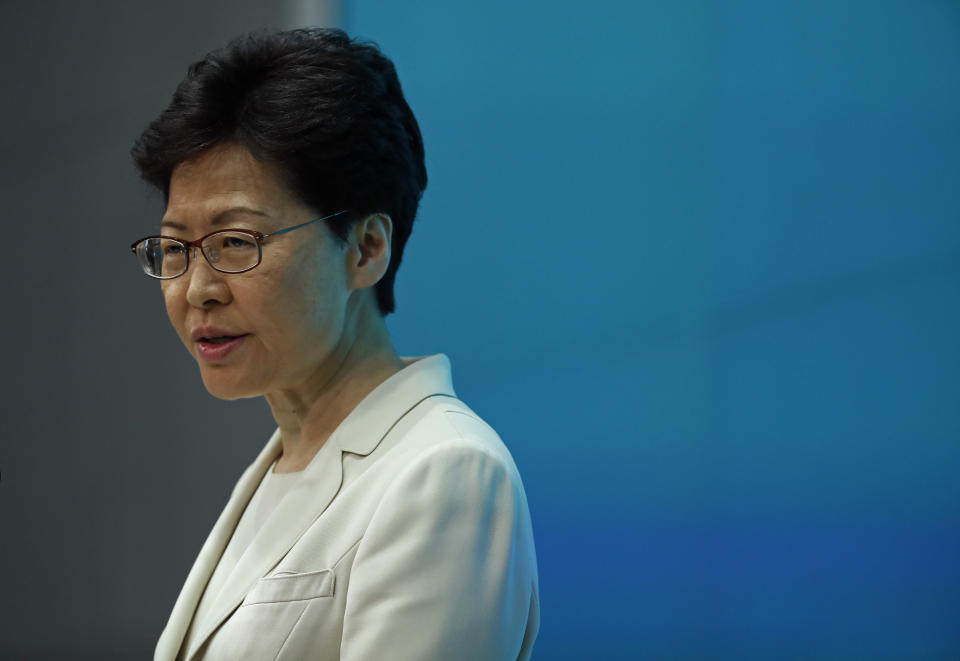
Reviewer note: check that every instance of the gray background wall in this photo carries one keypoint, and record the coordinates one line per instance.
(114, 460)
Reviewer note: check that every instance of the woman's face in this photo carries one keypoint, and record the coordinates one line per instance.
(288, 313)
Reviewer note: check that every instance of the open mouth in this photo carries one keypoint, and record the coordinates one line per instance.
(222, 339)
(215, 348)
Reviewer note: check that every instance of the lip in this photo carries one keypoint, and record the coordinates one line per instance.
(213, 331)
(215, 352)
(212, 353)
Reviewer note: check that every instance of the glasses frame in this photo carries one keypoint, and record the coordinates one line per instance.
(259, 237)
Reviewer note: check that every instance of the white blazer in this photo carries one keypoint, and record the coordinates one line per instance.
(407, 537)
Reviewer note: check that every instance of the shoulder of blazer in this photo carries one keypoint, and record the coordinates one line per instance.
(455, 420)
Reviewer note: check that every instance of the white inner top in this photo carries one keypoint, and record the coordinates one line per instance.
(273, 487)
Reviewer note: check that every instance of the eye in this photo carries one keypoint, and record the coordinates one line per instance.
(238, 241)
(172, 249)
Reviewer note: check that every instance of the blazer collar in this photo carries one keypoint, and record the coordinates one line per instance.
(359, 433)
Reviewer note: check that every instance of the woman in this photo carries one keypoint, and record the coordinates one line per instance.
(383, 519)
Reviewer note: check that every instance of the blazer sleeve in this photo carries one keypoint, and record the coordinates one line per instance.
(446, 568)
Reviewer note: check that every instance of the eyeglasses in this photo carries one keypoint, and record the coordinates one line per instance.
(227, 251)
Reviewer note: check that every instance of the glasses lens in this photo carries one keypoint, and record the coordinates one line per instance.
(162, 258)
(232, 252)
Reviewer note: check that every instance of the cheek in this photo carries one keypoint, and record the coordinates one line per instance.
(175, 305)
(304, 304)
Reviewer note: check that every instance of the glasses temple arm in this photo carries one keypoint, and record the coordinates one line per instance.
(296, 227)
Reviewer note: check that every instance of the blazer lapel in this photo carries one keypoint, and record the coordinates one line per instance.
(359, 433)
(307, 499)
(172, 637)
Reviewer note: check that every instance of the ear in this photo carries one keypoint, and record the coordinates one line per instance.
(369, 254)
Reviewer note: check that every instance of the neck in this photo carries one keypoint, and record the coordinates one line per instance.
(308, 415)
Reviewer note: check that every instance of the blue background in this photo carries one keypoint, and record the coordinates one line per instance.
(699, 265)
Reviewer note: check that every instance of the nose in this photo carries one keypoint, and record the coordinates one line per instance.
(206, 286)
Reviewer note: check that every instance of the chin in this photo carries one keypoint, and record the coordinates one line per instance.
(226, 386)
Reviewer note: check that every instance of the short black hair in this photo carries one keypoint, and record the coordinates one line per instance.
(327, 110)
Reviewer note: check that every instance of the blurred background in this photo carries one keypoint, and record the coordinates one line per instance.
(697, 262)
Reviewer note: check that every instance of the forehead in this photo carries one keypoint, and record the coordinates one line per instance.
(222, 177)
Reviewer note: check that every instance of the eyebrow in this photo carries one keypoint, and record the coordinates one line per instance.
(220, 218)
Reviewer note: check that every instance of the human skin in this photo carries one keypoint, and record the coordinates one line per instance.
(316, 343)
